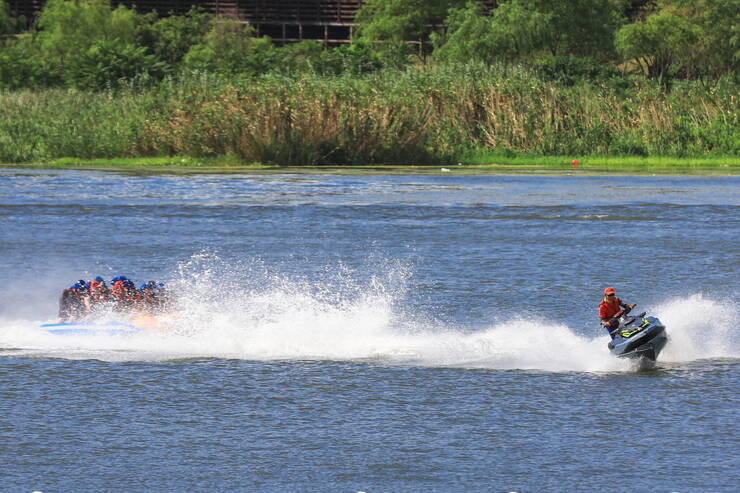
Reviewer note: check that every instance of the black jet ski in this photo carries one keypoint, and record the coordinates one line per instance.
(637, 337)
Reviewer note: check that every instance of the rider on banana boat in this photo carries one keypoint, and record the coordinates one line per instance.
(74, 303)
(82, 298)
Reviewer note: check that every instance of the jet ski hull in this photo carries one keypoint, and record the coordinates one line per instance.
(645, 341)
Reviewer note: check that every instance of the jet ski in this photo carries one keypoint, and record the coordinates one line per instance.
(638, 337)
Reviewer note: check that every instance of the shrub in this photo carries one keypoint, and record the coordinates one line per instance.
(229, 48)
(21, 67)
(170, 38)
(107, 64)
(568, 70)
(7, 23)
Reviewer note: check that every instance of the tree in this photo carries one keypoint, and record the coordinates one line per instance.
(716, 48)
(90, 45)
(391, 24)
(512, 31)
(638, 9)
(106, 64)
(171, 37)
(356, 58)
(7, 23)
(517, 27)
(581, 27)
(230, 48)
(659, 43)
(21, 68)
(67, 28)
(699, 37)
(300, 57)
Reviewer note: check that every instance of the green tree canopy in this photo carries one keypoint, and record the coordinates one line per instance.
(510, 32)
(521, 28)
(717, 23)
(67, 28)
(90, 45)
(171, 37)
(106, 64)
(7, 23)
(581, 27)
(391, 24)
(659, 43)
(693, 37)
(229, 47)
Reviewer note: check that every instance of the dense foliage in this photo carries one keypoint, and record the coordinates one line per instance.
(89, 44)
(7, 23)
(422, 82)
(689, 37)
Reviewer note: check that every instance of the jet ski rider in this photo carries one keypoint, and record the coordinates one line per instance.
(609, 307)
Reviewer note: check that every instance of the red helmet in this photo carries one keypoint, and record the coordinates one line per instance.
(609, 290)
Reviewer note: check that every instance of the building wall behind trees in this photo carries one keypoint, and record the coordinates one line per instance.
(284, 21)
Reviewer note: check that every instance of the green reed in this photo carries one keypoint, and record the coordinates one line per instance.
(418, 116)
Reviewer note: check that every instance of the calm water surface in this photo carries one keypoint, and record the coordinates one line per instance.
(371, 333)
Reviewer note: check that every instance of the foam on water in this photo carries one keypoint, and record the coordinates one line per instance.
(276, 318)
(699, 328)
(361, 332)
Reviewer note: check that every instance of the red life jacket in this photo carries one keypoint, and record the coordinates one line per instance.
(98, 291)
(119, 293)
(608, 310)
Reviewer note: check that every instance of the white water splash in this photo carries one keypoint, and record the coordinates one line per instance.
(290, 320)
(699, 328)
(360, 332)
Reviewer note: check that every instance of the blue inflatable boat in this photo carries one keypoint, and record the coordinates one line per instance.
(91, 328)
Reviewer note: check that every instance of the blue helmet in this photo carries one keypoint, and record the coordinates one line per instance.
(99, 279)
(143, 286)
(119, 278)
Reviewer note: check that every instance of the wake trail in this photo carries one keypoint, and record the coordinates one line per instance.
(368, 322)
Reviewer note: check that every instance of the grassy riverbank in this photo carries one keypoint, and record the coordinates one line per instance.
(440, 116)
(477, 164)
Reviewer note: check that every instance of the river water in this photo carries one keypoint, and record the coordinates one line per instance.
(371, 333)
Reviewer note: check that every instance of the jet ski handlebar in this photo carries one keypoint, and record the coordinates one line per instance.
(620, 313)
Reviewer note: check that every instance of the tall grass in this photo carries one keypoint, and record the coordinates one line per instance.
(417, 116)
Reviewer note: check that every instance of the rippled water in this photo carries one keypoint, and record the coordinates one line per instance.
(371, 333)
